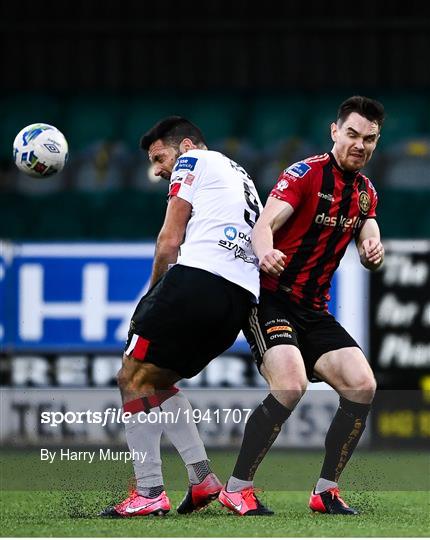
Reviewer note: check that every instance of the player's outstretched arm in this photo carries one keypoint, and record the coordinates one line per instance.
(369, 245)
(274, 215)
(171, 236)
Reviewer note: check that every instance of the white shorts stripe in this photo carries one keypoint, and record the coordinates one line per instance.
(133, 342)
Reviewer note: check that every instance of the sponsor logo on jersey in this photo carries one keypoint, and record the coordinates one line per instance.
(282, 335)
(342, 222)
(187, 163)
(298, 170)
(279, 329)
(230, 232)
(364, 202)
(326, 196)
(239, 252)
(277, 322)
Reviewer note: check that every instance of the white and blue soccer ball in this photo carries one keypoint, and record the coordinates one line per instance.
(40, 150)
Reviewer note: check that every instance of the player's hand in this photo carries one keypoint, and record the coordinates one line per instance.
(372, 252)
(273, 262)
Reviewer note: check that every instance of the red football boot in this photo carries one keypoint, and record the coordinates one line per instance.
(330, 502)
(244, 502)
(138, 505)
(200, 495)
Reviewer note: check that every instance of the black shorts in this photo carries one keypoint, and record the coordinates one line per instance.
(187, 319)
(280, 321)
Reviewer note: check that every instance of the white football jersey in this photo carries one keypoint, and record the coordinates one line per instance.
(225, 208)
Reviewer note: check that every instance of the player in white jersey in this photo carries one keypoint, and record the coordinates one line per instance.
(204, 282)
(224, 206)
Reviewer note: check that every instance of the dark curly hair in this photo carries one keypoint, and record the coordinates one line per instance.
(368, 108)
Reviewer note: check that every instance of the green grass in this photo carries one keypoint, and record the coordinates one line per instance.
(63, 501)
(385, 514)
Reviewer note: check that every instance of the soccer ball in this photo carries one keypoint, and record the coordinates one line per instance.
(40, 150)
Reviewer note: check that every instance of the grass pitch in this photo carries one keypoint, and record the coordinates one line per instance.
(63, 501)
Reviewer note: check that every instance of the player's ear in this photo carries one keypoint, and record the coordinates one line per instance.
(185, 145)
(333, 130)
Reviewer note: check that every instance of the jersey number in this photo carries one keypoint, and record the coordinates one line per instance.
(251, 199)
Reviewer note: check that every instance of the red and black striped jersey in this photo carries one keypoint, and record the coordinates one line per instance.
(330, 208)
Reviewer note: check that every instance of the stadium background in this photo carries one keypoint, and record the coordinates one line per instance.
(263, 87)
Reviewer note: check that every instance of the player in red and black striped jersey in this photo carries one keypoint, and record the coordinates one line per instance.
(314, 211)
(333, 206)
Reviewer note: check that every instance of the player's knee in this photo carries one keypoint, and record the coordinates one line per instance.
(142, 383)
(294, 384)
(287, 374)
(136, 382)
(363, 388)
(124, 373)
(121, 379)
(369, 385)
(366, 382)
(287, 382)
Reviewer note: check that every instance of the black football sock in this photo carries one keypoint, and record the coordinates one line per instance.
(261, 430)
(342, 437)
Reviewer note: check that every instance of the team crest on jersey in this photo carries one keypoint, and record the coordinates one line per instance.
(187, 163)
(298, 170)
(189, 179)
(364, 202)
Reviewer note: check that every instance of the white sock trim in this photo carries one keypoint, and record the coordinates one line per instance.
(324, 485)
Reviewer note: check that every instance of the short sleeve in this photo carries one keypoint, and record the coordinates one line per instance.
(292, 184)
(186, 174)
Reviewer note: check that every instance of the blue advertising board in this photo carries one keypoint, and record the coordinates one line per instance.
(77, 297)
(2, 295)
(74, 297)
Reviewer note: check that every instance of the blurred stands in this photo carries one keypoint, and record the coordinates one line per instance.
(107, 190)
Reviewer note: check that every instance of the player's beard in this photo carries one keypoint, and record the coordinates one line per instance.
(168, 176)
(353, 163)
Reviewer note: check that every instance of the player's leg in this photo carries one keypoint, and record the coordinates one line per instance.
(204, 486)
(349, 373)
(273, 341)
(144, 388)
(182, 432)
(156, 394)
(171, 327)
(211, 327)
(283, 369)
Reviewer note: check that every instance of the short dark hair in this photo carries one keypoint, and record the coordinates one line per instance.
(369, 108)
(172, 130)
